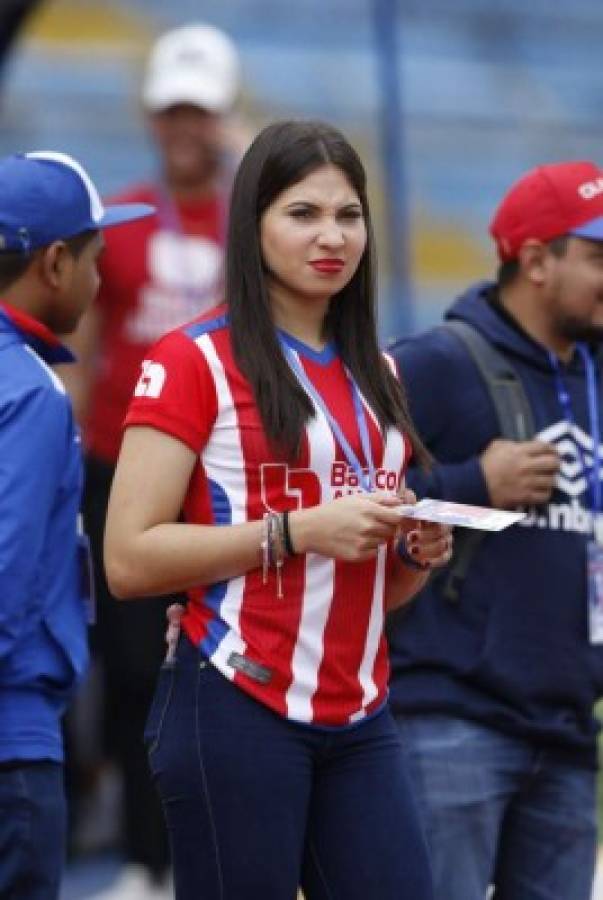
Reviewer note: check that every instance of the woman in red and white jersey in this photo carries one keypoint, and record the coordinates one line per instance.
(262, 473)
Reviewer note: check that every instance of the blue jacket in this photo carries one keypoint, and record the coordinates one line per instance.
(514, 652)
(43, 642)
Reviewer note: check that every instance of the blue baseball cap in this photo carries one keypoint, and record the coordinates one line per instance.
(47, 196)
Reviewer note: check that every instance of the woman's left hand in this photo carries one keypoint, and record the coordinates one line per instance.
(428, 544)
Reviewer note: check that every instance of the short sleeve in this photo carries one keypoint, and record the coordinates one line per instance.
(175, 392)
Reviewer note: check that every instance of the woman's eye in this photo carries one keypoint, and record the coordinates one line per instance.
(351, 214)
(346, 215)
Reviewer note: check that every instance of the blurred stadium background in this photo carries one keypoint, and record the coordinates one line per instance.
(485, 91)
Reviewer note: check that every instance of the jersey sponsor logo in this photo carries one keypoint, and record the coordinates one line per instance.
(575, 449)
(301, 487)
(344, 479)
(151, 381)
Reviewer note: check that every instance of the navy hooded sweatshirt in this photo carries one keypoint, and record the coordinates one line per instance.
(514, 652)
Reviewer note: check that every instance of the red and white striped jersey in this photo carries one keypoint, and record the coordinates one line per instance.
(317, 655)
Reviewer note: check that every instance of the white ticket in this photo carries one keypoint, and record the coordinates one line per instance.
(481, 517)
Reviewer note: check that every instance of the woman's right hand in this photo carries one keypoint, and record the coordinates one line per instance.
(350, 528)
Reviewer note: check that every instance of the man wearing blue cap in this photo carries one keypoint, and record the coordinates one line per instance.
(51, 219)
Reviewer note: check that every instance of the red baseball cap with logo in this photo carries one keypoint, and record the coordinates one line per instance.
(548, 202)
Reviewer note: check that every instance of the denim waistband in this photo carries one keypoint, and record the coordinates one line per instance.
(187, 652)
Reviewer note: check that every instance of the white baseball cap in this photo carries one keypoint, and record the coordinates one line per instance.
(195, 64)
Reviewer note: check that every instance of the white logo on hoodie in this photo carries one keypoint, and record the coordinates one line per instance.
(575, 449)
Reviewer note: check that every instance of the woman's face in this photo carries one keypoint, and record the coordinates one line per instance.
(313, 236)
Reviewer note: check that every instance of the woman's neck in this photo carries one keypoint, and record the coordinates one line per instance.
(301, 318)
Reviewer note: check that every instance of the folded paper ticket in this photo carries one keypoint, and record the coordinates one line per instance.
(481, 517)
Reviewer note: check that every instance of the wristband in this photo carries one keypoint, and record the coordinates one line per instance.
(407, 559)
(287, 534)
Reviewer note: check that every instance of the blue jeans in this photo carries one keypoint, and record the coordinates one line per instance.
(33, 820)
(500, 811)
(257, 805)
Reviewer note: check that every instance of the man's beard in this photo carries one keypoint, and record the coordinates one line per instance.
(575, 330)
(203, 170)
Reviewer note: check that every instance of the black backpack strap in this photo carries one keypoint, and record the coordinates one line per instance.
(515, 421)
(506, 390)
(466, 545)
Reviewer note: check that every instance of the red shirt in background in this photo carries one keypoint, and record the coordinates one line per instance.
(157, 273)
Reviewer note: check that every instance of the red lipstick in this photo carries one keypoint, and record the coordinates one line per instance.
(328, 266)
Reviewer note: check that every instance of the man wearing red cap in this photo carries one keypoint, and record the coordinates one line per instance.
(493, 683)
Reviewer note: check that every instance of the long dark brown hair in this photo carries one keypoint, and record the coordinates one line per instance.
(282, 155)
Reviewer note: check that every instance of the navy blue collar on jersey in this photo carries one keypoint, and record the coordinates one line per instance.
(36, 335)
(367, 480)
(322, 357)
(592, 472)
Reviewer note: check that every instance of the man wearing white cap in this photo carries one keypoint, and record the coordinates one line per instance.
(155, 277)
